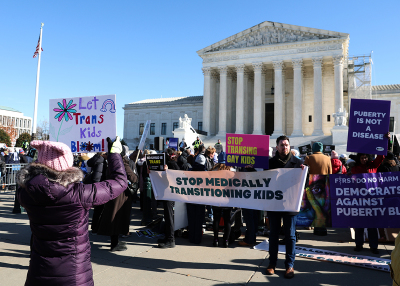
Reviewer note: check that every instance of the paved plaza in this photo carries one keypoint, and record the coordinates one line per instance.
(188, 264)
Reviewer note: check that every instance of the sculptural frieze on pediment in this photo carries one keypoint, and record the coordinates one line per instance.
(270, 36)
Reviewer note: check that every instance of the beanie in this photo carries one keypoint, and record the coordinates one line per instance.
(334, 155)
(55, 155)
(200, 159)
(317, 147)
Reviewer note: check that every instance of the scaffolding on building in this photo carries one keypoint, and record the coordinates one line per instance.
(359, 77)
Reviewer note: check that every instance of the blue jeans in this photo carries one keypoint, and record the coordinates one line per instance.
(289, 224)
(372, 237)
(251, 218)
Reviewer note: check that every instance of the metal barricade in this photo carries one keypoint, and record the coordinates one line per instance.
(7, 181)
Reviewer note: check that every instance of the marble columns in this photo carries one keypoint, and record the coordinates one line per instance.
(297, 98)
(240, 91)
(223, 96)
(259, 100)
(278, 99)
(207, 99)
(338, 71)
(318, 101)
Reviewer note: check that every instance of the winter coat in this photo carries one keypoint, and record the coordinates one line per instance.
(293, 162)
(173, 165)
(12, 158)
(369, 167)
(98, 166)
(218, 148)
(183, 163)
(388, 166)
(115, 217)
(319, 164)
(2, 168)
(58, 210)
(22, 159)
(336, 165)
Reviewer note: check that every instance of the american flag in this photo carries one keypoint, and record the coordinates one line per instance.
(37, 49)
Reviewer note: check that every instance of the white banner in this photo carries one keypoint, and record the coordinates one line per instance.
(272, 190)
(83, 123)
(375, 263)
(180, 216)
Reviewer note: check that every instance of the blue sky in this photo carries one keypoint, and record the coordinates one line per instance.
(147, 49)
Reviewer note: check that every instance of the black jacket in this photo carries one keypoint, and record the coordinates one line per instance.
(293, 162)
(183, 163)
(2, 168)
(172, 165)
(388, 167)
(99, 167)
(22, 159)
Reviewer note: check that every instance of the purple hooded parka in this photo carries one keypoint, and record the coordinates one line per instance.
(58, 208)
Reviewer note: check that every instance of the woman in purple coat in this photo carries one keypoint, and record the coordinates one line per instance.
(58, 206)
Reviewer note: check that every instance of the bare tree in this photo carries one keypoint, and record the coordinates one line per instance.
(42, 130)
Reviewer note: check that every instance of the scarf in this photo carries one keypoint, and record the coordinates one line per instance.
(282, 162)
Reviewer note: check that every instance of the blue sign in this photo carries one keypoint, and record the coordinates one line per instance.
(173, 143)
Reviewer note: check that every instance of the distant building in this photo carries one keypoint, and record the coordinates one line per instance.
(271, 79)
(14, 122)
(390, 92)
(164, 114)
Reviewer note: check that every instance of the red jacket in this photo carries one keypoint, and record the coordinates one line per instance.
(370, 167)
(336, 165)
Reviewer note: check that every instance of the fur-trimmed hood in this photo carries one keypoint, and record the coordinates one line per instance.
(64, 178)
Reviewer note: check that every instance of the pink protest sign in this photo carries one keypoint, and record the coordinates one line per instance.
(246, 149)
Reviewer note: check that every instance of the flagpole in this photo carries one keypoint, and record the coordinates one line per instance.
(34, 122)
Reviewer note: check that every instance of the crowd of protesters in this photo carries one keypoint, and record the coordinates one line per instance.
(110, 182)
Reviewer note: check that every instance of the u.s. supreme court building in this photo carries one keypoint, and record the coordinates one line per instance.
(270, 79)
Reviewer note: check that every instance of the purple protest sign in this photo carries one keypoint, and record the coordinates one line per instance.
(368, 124)
(365, 200)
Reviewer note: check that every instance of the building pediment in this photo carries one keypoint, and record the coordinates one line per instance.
(271, 33)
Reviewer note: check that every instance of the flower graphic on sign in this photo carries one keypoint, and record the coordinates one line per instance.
(83, 146)
(89, 146)
(64, 112)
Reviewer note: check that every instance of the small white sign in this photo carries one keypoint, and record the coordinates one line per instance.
(83, 123)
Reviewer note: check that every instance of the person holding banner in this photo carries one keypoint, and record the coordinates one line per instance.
(364, 164)
(283, 159)
(58, 207)
(224, 212)
(196, 212)
(169, 240)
